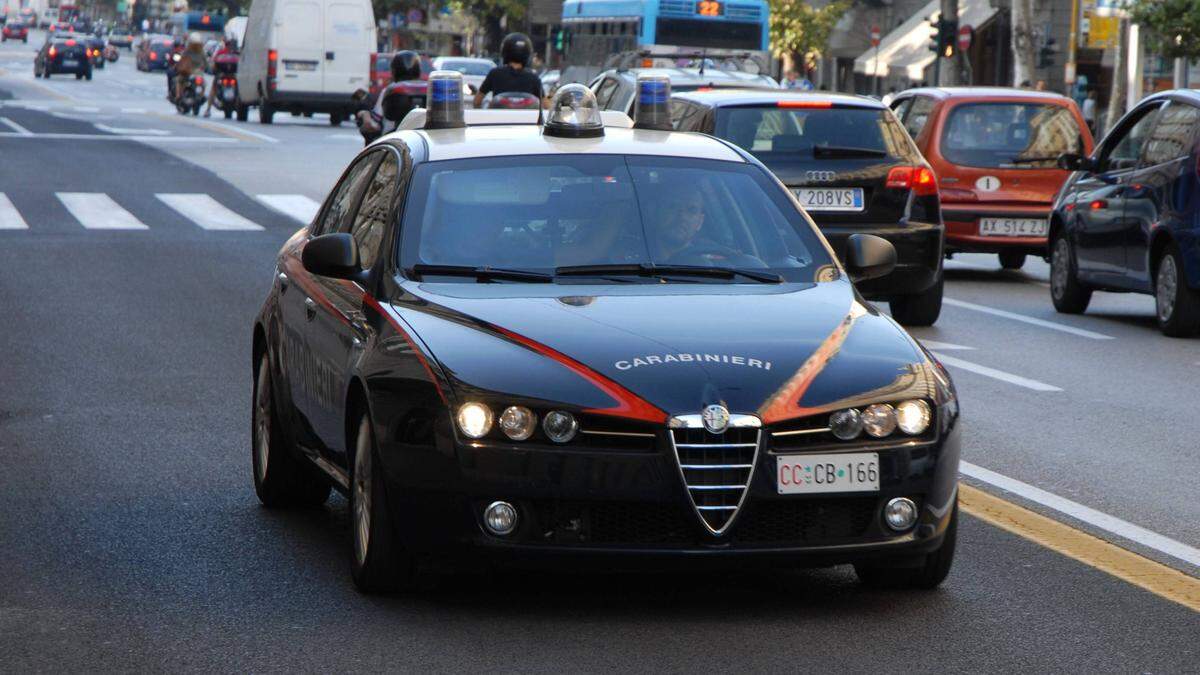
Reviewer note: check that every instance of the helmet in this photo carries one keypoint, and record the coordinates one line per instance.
(406, 65)
(194, 38)
(516, 48)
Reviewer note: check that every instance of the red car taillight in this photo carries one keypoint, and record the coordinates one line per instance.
(199, 80)
(52, 52)
(919, 179)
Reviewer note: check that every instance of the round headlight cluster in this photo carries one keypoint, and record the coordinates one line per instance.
(880, 420)
(516, 422)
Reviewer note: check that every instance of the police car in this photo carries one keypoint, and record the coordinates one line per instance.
(572, 341)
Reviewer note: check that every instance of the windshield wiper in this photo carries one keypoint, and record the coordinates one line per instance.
(1030, 160)
(480, 273)
(652, 270)
(845, 151)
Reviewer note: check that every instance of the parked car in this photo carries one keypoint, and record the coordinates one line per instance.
(15, 30)
(1128, 219)
(994, 152)
(306, 56)
(849, 163)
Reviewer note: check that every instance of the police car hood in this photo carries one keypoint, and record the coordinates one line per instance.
(772, 350)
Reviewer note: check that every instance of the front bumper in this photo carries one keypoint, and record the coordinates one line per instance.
(298, 101)
(630, 508)
(919, 251)
(962, 228)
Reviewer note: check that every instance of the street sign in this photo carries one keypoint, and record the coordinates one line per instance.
(964, 37)
(875, 36)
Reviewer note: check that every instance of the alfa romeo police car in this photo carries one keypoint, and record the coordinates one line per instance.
(571, 341)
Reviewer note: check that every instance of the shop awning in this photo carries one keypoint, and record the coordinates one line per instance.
(905, 51)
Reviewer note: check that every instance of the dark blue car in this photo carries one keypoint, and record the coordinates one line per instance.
(1128, 219)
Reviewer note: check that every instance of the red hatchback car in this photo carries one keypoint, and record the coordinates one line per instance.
(15, 30)
(994, 151)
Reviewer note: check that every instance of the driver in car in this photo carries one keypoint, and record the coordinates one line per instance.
(678, 239)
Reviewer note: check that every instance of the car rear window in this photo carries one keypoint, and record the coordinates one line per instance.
(773, 131)
(1009, 135)
(467, 67)
(541, 212)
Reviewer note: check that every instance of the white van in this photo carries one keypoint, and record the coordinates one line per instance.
(306, 56)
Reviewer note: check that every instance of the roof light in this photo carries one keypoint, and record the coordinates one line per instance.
(445, 100)
(574, 113)
(804, 104)
(651, 110)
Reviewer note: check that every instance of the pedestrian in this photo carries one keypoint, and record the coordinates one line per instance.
(1026, 84)
(1089, 111)
(1040, 86)
(791, 80)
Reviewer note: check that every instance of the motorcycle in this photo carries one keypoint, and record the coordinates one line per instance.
(192, 96)
(513, 100)
(111, 54)
(227, 96)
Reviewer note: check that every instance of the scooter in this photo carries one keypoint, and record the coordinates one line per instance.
(227, 97)
(513, 100)
(192, 96)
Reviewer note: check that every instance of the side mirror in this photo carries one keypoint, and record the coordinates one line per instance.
(869, 257)
(332, 255)
(1070, 161)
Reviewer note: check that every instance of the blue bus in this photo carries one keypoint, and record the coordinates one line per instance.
(183, 23)
(597, 29)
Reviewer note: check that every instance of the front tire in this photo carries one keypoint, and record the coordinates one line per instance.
(1012, 260)
(243, 113)
(921, 309)
(378, 560)
(280, 479)
(1068, 294)
(928, 575)
(1176, 305)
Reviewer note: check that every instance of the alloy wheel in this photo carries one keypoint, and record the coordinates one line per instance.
(262, 421)
(362, 492)
(1060, 266)
(1166, 288)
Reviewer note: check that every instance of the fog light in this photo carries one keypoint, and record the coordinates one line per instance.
(475, 419)
(913, 417)
(500, 518)
(518, 422)
(900, 514)
(846, 424)
(879, 420)
(560, 426)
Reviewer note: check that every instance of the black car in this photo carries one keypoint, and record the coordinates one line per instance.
(155, 54)
(63, 55)
(854, 169)
(1127, 219)
(595, 345)
(95, 50)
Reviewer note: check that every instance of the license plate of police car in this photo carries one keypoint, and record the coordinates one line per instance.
(830, 199)
(808, 474)
(1013, 227)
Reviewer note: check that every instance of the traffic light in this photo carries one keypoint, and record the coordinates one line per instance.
(942, 35)
(1046, 53)
(558, 40)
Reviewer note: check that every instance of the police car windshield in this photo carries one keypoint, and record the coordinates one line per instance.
(546, 213)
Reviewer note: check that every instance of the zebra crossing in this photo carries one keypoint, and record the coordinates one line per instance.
(99, 211)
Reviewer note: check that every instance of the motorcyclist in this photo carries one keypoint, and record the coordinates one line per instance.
(514, 75)
(392, 104)
(225, 61)
(191, 61)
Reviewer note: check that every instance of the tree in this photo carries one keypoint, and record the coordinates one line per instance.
(489, 13)
(800, 32)
(1116, 100)
(1022, 41)
(1172, 26)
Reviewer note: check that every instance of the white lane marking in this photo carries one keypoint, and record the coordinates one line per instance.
(207, 212)
(134, 111)
(944, 346)
(299, 207)
(351, 137)
(85, 109)
(996, 374)
(10, 218)
(16, 127)
(97, 211)
(1026, 319)
(115, 137)
(1097, 519)
(131, 132)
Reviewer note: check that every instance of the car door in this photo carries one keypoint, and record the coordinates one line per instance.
(300, 46)
(347, 45)
(1152, 200)
(301, 298)
(1098, 230)
(341, 333)
(604, 89)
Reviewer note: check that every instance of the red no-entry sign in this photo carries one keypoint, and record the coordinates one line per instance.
(964, 38)
(874, 36)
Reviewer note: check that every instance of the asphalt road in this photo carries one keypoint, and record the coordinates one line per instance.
(130, 537)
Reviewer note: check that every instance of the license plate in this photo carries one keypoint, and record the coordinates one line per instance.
(1013, 227)
(418, 101)
(809, 474)
(307, 66)
(70, 63)
(830, 199)
(227, 95)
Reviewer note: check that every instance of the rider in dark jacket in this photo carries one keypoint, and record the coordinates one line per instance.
(514, 75)
(392, 104)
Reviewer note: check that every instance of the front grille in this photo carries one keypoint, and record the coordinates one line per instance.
(809, 521)
(716, 470)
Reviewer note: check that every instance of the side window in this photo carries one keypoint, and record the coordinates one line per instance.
(604, 92)
(371, 221)
(679, 113)
(917, 115)
(1174, 134)
(1124, 147)
(341, 202)
(901, 107)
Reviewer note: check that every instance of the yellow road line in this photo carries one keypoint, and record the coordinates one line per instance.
(218, 128)
(1128, 566)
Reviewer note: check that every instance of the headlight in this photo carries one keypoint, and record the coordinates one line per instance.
(879, 420)
(846, 424)
(560, 426)
(913, 417)
(475, 419)
(518, 422)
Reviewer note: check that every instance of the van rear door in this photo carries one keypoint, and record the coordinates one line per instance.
(348, 47)
(299, 45)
